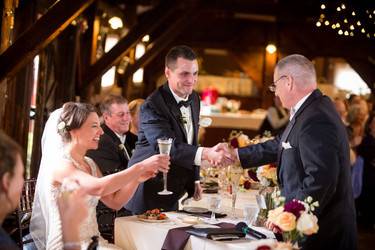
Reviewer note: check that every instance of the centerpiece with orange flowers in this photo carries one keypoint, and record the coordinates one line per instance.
(295, 218)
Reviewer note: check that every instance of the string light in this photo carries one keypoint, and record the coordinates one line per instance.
(347, 18)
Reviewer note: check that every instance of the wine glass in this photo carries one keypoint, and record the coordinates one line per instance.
(165, 145)
(235, 173)
(250, 212)
(215, 202)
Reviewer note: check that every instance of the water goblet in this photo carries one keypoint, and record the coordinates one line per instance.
(165, 145)
(250, 212)
(215, 202)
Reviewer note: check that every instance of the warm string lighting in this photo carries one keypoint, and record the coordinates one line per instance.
(346, 19)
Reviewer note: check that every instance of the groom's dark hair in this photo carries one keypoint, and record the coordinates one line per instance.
(182, 51)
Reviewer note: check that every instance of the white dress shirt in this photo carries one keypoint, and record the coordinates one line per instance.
(187, 113)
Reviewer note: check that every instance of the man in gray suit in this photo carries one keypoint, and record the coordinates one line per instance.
(312, 154)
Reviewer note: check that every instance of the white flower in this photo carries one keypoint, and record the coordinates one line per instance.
(307, 224)
(61, 125)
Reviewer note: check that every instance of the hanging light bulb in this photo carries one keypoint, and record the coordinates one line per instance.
(358, 23)
(340, 32)
(351, 34)
(115, 22)
(326, 23)
(351, 27)
(318, 24)
(345, 20)
(322, 16)
(363, 30)
(333, 26)
(353, 13)
(343, 6)
(271, 48)
(338, 9)
(322, 6)
(346, 33)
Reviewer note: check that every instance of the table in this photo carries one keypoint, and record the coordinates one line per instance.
(133, 234)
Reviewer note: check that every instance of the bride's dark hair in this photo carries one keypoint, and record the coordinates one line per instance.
(74, 114)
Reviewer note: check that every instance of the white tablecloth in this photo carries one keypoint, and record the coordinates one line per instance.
(131, 233)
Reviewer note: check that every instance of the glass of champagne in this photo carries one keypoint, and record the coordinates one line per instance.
(235, 172)
(165, 145)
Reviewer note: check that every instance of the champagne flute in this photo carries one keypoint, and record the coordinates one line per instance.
(235, 172)
(165, 145)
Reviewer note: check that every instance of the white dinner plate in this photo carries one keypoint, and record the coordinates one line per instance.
(153, 221)
(195, 210)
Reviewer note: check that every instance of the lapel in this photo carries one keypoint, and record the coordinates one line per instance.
(314, 95)
(195, 109)
(172, 104)
(115, 140)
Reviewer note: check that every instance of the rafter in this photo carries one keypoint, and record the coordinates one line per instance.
(45, 29)
(152, 21)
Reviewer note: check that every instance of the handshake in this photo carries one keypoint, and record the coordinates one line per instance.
(220, 155)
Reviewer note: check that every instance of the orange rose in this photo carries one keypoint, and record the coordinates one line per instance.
(286, 221)
(274, 213)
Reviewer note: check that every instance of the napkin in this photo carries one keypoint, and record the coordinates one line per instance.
(177, 238)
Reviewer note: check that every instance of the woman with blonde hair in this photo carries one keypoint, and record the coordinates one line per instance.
(134, 108)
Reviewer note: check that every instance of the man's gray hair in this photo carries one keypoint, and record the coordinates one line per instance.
(105, 106)
(301, 68)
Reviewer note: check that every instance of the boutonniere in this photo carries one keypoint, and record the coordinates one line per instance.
(183, 119)
(121, 147)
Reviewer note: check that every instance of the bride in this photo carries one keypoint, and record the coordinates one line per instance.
(68, 134)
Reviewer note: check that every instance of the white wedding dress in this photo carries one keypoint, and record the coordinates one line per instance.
(45, 226)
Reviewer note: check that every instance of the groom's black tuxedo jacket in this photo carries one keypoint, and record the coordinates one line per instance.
(313, 160)
(160, 117)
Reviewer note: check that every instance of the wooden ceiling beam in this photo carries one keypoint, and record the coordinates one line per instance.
(160, 43)
(45, 29)
(152, 21)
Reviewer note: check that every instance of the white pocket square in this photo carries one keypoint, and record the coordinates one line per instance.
(286, 145)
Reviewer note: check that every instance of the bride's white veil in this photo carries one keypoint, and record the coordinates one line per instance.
(45, 221)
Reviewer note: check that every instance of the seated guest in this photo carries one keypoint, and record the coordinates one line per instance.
(11, 183)
(68, 134)
(113, 153)
(135, 107)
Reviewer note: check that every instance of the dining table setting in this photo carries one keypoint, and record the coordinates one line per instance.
(210, 223)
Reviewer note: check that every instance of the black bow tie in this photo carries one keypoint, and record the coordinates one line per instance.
(184, 103)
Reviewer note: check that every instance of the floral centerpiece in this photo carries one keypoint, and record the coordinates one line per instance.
(295, 218)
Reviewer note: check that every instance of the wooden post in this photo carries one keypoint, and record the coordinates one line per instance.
(7, 24)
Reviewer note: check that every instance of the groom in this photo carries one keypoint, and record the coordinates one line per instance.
(172, 111)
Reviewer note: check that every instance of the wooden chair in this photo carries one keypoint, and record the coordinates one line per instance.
(23, 212)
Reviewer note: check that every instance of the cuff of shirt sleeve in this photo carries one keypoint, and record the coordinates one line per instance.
(198, 157)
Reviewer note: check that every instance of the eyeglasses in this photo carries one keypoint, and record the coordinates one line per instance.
(121, 114)
(272, 87)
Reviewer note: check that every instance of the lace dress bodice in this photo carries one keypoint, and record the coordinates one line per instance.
(89, 226)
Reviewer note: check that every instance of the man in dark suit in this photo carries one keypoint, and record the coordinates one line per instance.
(312, 154)
(114, 151)
(172, 111)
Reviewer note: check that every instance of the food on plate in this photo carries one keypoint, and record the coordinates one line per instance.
(154, 214)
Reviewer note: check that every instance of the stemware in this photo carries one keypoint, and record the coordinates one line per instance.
(165, 145)
(235, 173)
(215, 202)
